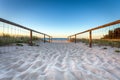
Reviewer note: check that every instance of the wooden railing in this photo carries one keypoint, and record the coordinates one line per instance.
(16, 32)
(74, 36)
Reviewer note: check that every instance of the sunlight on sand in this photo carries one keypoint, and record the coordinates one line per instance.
(60, 60)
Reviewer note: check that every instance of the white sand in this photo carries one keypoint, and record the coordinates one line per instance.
(60, 61)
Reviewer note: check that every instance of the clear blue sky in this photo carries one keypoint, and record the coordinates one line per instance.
(60, 18)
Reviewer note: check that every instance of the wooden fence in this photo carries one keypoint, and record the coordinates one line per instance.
(15, 31)
(90, 31)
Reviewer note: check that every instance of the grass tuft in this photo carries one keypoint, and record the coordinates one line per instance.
(117, 51)
(19, 44)
(104, 48)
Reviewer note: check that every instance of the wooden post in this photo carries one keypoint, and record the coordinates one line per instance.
(70, 39)
(75, 38)
(44, 38)
(67, 38)
(31, 38)
(90, 39)
(49, 39)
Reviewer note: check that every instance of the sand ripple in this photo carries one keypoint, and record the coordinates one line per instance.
(59, 61)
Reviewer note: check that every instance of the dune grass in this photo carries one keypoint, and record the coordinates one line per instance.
(111, 43)
(7, 39)
(117, 51)
(100, 42)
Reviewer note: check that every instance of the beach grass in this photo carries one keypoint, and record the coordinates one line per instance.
(7, 39)
(105, 48)
(117, 51)
(99, 42)
(19, 44)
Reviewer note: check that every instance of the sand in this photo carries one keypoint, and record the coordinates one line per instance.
(59, 61)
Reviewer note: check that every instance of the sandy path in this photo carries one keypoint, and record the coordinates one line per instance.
(59, 61)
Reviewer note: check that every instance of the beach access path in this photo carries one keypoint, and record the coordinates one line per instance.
(60, 61)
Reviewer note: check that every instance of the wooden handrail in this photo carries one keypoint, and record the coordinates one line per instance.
(20, 26)
(90, 31)
(103, 26)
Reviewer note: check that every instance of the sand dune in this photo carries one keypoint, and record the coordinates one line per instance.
(60, 61)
